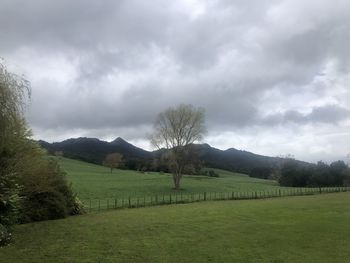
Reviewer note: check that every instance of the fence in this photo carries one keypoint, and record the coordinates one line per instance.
(167, 199)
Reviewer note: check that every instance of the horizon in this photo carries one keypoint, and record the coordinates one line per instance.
(198, 143)
(272, 76)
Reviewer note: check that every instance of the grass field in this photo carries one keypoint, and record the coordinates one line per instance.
(96, 182)
(290, 229)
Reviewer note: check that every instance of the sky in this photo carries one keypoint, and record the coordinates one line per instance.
(272, 75)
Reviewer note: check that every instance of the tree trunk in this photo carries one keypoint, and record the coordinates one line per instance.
(177, 178)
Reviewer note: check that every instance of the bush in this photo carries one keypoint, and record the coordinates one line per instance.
(9, 200)
(46, 193)
(5, 236)
(78, 207)
(261, 172)
(210, 173)
(44, 206)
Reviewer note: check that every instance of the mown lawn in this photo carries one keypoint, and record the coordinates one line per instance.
(290, 229)
(96, 182)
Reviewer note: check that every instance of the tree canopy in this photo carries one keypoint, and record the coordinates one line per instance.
(113, 160)
(31, 187)
(176, 129)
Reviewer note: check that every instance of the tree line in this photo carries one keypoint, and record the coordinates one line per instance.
(299, 174)
(321, 174)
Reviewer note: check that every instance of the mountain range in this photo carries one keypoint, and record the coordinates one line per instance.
(94, 151)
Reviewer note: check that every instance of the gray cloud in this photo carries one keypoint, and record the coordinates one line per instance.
(100, 68)
(329, 114)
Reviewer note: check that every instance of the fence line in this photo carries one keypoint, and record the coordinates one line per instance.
(167, 199)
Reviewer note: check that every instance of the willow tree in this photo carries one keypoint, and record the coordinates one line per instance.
(13, 92)
(32, 187)
(176, 129)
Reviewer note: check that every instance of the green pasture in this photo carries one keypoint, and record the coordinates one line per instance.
(290, 229)
(94, 182)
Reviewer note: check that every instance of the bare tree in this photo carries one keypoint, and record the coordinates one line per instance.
(113, 160)
(176, 129)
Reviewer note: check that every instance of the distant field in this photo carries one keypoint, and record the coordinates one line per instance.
(290, 229)
(96, 182)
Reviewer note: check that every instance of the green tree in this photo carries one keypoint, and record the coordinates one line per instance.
(13, 92)
(176, 129)
(31, 186)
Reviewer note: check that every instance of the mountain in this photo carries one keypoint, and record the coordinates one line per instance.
(94, 151)
(234, 160)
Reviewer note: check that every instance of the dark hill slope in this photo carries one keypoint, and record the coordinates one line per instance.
(234, 160)
(94, 151)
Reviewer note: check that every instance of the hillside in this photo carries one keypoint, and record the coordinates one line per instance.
(234, 160)
(94, 151)
(94, 182)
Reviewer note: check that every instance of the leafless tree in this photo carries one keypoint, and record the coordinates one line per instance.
(176, 129)
(113, 160)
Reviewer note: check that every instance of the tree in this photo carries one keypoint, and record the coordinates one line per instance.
(261, 172)
(176, 129)
(31, 186)
(113, 160)
(13, 92)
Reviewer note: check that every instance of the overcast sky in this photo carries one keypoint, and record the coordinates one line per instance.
(273, 76)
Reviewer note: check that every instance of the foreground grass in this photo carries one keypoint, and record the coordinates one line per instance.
(96, 182)
(291, 229)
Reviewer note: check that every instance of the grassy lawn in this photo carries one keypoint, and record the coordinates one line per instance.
(290, 229)
(96, 182)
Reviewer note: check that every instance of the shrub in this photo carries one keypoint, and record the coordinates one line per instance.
(5, 236)
(44, 206)
(210, 173)
(261, 172)
(46, 193)
(78, 207)
(9, 200)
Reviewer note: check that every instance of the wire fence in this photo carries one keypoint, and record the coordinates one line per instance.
(93, 205)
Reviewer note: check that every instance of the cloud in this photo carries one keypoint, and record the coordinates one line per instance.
(328, 114)
(104, 68)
